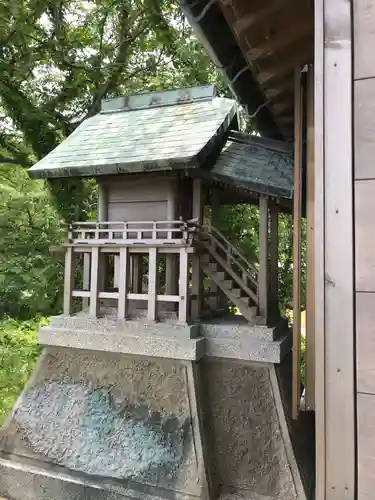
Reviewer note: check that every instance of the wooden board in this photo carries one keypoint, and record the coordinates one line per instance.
(310, 258)
(340, 431)
(297, 220)
(365, 235)
(364, 122)
(364, 38)
(365, 319)
(320, 461)
(366, 446)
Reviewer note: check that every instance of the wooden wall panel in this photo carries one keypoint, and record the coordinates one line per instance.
(364, 120)
(366, 446)
(365, 235)
(364, 38)
(365, 307)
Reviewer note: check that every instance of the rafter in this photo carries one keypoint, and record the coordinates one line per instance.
(280, 41)
(246, 22)
(299, 57)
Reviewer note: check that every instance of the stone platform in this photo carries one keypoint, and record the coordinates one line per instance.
(114, 425)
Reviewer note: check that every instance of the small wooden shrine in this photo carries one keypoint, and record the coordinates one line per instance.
(159, 159)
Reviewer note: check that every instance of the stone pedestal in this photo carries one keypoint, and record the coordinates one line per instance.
(93, 424)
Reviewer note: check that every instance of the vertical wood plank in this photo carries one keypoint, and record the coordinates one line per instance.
(152, 281)
(183, 287)
(339, 262)
(297, 219)
(310, 302)
(95, 282)
(69, 272)
(320, 434)
(274, 261)
(263, 258)
(123, 282)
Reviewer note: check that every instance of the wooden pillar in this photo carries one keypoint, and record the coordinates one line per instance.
(95, 282)
(152, 284)
(297, 221)
(171, 270)
(274, 263)
(69, 272)
(124, 273)
(86, 277)
(197, 281)
(183, 307)
(263, 258)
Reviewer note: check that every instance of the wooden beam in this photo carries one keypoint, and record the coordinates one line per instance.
(340, 423)
(263, 258)
(310, 274)
(297, 220)
(257, 16)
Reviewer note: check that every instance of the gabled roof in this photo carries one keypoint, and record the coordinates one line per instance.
(256, 164)
(176, 129)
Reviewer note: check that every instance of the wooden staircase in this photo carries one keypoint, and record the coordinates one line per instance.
(230, 270)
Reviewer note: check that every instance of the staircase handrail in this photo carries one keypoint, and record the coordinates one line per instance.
(233, 253)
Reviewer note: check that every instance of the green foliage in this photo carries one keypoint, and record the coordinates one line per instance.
(30, 275)
(18, 354)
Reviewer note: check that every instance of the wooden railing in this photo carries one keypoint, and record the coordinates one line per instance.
(129, 232)
(95, 240)
(244, 272)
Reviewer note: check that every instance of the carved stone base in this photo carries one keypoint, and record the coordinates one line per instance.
(109, 426)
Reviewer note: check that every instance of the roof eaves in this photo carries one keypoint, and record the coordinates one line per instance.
(209, 24)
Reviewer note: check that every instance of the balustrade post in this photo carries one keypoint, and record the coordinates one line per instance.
(152, 284)
(69, 273)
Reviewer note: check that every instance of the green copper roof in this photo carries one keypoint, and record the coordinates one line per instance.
(156, 131)
(257, 164)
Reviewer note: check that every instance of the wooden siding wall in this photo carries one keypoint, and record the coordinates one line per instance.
(140, 199)
(364, 171)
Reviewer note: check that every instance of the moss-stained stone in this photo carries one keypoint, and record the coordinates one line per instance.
(110, 415)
